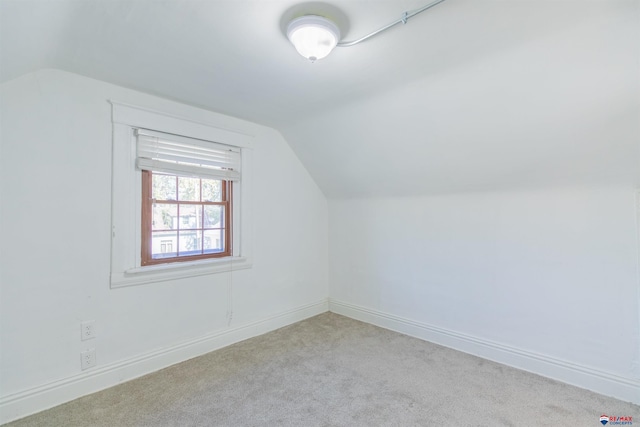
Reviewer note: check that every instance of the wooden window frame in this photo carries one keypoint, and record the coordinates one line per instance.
(147, 220)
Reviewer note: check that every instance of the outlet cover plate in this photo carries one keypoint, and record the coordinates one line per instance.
(88, 358)
(87, 330)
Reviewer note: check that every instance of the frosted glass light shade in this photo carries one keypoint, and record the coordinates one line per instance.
(314, 37)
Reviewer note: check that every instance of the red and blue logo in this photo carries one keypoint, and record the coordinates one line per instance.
(618, 421)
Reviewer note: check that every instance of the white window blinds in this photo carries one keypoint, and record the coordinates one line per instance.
(179, 155)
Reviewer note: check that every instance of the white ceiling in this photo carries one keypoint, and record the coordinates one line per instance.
(469, 95)
(230, 56)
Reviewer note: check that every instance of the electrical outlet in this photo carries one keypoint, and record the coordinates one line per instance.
(88, 358)
(87, 330)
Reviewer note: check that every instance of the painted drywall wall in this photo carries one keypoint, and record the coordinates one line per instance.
(55, 227)
(549, 273)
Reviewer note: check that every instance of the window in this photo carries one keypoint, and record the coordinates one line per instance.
(180, 195)
(184, 218)
(187, 187)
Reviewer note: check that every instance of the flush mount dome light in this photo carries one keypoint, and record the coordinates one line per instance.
(314, 37)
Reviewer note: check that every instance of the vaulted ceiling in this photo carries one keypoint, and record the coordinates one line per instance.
(469, 95)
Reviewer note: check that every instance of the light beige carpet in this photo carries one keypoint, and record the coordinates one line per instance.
(333, 371)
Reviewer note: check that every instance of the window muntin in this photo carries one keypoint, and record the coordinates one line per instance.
(184, 218)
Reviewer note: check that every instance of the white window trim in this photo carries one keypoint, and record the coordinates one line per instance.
(126, 203)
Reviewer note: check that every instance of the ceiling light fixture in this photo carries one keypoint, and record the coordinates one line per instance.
(314, 36)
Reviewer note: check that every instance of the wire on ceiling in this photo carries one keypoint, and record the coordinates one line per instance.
(405, 17)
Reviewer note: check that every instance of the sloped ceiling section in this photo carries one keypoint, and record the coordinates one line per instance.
(470, 95)
(553, 101)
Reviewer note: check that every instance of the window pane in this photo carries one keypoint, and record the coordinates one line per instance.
(186, 218)
(190, 242)
(164, 244)
(211, 190)
(164, 217)
(190, 216)
(188, 189)
(164, 187)
(213, 217)
(213, 241)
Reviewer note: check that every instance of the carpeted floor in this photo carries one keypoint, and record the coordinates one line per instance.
(334, 371)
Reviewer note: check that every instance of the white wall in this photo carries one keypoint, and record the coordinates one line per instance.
(55, 181)
(546, 280)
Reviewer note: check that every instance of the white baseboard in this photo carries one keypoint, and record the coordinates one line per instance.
(571, 373)
(22, 404)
